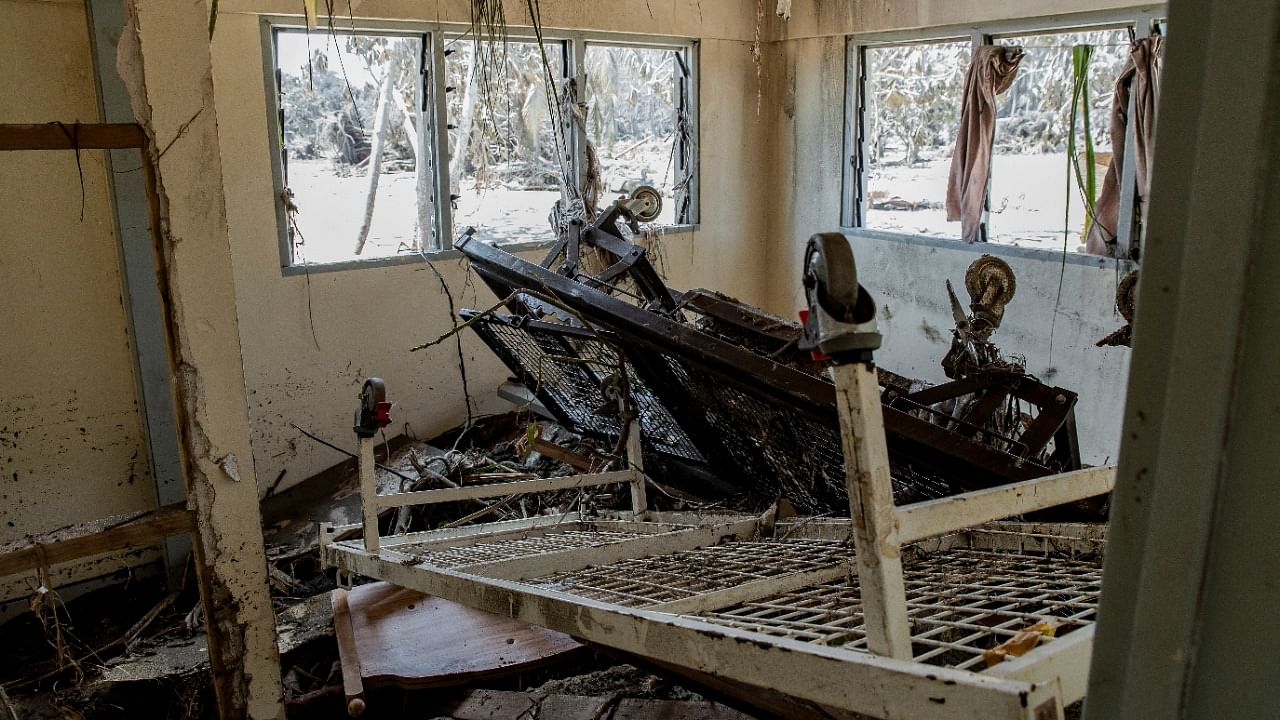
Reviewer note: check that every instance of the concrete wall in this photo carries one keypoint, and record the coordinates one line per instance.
(72, 447)
(808, 87)
(366, 319)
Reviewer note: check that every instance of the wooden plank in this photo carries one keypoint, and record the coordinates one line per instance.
(69, 136)
(564, 455)
(475, 492)
(944, 515)
(146, 530)
(635, 457)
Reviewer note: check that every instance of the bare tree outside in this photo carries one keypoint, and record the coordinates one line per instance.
(503, 170)
(342, 96)
(632, 120)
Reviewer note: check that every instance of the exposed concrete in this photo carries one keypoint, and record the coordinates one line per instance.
(72, 446)
(165, 64)
(365, 320)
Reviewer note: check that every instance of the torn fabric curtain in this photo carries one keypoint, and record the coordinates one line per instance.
(1139, 79)
(991, 72)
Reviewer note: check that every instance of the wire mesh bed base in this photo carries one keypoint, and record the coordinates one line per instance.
(779, 606)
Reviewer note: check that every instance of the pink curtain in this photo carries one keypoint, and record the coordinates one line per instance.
(1140, 78)
(991, 72)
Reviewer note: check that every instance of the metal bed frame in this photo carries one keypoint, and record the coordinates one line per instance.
(781, 606)
(892, 613)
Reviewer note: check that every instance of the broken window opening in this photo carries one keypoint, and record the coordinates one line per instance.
(1033, 200)
(913, 96)
(640, 121)
(905, 99)
(504, 167)
(354, 145)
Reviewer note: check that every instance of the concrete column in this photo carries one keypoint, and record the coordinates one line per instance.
(164, 61)
(1186, 627)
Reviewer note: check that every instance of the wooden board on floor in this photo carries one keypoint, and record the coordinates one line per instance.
(405, 639)
(506, 705)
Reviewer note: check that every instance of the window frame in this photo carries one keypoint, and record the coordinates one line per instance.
(688, 95)
(435, 37)
(853, 192)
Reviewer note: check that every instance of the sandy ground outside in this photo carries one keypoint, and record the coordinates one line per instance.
(1029, 194)
(331, 208)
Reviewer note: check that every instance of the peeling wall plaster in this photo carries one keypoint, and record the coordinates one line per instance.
(72, 447)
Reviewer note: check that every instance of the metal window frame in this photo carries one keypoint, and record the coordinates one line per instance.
(435, 36)
(853, 192)
(686, 95)
(270, 28)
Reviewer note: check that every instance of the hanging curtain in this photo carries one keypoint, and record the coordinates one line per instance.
(991, 72)
(1140, 78)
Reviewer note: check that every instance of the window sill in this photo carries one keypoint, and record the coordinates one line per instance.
(441, 255)
(988, 248)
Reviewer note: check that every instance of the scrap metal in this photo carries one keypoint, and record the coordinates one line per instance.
(724, 386)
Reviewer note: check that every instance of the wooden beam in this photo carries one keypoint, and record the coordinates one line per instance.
(70, 136)
(149, 529)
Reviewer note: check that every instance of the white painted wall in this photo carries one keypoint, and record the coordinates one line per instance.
(907, 277)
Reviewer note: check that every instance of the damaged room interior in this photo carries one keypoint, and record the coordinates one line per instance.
(644, 360)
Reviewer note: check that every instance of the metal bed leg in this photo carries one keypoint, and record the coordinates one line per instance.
(368, 491)
(840, 325)
(875, 520)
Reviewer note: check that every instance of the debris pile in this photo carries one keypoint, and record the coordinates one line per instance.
(724, 394)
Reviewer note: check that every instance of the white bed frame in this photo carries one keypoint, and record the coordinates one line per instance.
(895, 629)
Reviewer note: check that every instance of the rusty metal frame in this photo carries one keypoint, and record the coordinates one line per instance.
(961, 457)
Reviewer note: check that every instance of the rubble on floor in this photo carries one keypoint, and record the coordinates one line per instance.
(162, 670)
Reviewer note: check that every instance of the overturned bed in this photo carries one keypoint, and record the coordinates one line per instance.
(924, 609)
(724, 386)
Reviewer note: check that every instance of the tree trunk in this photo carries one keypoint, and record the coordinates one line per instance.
(420, 141)
(375, 158)
(458, 162)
